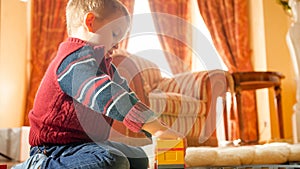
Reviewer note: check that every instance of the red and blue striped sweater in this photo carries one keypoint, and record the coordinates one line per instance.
(79, 97)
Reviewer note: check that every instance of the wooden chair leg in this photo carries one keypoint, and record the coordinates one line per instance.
(225, 116)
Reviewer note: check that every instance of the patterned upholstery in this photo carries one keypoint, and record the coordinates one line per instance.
(185, 102)
(183, 113)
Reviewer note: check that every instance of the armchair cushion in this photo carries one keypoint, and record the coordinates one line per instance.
(182, 113)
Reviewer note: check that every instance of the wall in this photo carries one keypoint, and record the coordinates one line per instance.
(258, 46)
(13, 56)
(269, 25)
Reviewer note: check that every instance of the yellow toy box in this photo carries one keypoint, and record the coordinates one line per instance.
(169, 154)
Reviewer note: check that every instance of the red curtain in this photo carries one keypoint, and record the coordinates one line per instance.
(48, 30)
(227, 21)
(174, 32)
(130, 6)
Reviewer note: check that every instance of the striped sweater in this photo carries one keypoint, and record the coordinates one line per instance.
(79, 97)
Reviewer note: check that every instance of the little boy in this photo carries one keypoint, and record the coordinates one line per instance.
(82, 93)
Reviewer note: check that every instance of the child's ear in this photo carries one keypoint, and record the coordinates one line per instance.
(89, 21)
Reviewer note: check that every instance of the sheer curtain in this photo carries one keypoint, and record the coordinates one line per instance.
(177, 51)
(227, 21)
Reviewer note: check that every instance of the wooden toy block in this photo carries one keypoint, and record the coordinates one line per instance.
(169, 154)
(3, 166)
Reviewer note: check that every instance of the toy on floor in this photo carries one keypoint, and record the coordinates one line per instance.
(3, 166)
(169, 154)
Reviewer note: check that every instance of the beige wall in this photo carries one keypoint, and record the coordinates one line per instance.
(12, 62)
(269, 25)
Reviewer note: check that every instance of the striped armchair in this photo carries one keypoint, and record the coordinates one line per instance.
(186, 102)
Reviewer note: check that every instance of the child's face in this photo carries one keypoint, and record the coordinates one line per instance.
(110, 32)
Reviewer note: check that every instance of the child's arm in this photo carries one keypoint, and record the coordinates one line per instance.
(79, 76)
(121, 81)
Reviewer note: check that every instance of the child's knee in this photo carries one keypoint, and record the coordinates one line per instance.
(139, 163)
(120, 162)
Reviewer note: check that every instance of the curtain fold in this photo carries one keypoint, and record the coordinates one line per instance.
(227, 21)
(172, 20)
(130, 6)
(48, 30)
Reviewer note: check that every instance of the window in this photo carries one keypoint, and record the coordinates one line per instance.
(147, 45)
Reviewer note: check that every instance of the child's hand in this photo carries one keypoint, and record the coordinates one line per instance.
(168, 134)
(161, 131)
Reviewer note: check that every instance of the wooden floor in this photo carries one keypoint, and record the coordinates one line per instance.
(278, 166)
(282, 166)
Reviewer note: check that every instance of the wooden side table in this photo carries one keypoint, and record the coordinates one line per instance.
(258, 80)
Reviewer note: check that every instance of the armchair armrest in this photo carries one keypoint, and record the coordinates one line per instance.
(208, 86)
(199, 84)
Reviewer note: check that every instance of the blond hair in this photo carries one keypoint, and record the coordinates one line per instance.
(76, 10)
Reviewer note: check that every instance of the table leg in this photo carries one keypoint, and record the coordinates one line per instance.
(240, 115)
(279, 110)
